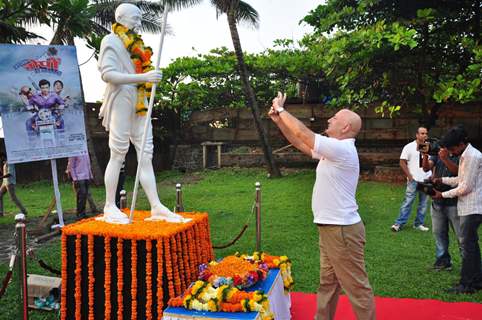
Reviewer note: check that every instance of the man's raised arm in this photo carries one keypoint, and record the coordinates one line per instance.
(293, 129)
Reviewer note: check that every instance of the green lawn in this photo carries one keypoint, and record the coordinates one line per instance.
(399, 264)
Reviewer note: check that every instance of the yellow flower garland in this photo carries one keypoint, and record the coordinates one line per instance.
(141, 58)
(281, 262)
(202, 296)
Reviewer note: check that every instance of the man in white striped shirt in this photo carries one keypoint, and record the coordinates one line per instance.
(469, 206)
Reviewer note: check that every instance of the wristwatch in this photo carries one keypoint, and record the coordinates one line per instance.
(279, 110)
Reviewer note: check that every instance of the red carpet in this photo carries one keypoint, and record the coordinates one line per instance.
(303, 307)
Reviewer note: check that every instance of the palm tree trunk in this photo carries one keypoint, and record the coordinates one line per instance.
(251, 98)
(96, 171)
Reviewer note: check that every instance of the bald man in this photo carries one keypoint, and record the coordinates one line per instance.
(335, 211)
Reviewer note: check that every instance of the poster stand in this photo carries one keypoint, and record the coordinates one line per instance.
(42, 107)
(53, 164)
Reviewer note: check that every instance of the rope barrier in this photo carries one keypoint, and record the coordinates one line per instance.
(42, 264)
(240, 234)
(5, 283)
(48, 268)
(8, 275)
(234, 240)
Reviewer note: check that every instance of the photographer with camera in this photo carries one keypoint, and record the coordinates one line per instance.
(469, 206)
(444, 211)
(411, 166)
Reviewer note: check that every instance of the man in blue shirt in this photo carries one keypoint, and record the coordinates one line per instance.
(79, 170)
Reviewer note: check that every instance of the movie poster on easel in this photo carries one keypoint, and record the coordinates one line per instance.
(41, 104)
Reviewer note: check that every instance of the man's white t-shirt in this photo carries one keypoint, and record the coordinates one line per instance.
(337, 175)
(412, 156)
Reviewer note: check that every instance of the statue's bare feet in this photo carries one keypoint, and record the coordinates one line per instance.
(112, 214)
(160, 212)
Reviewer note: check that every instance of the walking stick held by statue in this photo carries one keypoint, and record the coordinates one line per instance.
(148, 116)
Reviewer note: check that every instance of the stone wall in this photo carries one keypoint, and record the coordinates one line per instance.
(377, 131)
(379, 142)
(187, 158)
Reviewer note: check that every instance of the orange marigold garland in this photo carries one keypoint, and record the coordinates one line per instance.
(141, 59)
(204, 253)
(200, 245)
(234, 271)
(120, 279)
(185, 255)
(169, 271)
(148, 280)
(192, 254)
(185, 258)
(194, 249)
(180, 262)
(134, 279)
(177, 279)
(160, 293)
(78, 276)
(90, 266)
(107, 278)
(63, 296)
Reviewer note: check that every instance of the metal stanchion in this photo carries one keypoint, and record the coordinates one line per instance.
(22, 263)
(123, 199)
(179, 205)
(258, 216)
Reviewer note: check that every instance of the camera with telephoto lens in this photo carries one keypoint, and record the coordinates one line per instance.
(431, 146)
(426, 187)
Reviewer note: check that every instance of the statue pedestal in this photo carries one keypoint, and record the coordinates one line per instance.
(112, 271)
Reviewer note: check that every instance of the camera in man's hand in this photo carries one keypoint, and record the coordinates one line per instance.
(430, 146)
(426, 187)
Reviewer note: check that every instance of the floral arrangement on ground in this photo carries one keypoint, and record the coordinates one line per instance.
(233, 271)
(220, 284)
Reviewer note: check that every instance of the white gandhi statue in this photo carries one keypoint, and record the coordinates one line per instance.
(121, 120)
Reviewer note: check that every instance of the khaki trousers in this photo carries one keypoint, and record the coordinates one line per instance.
(342, 266)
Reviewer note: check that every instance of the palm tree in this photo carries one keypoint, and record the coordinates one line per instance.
(16, 15)
(86, 19)
(237, 11)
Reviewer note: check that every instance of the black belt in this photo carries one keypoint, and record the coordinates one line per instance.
(327, 225)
